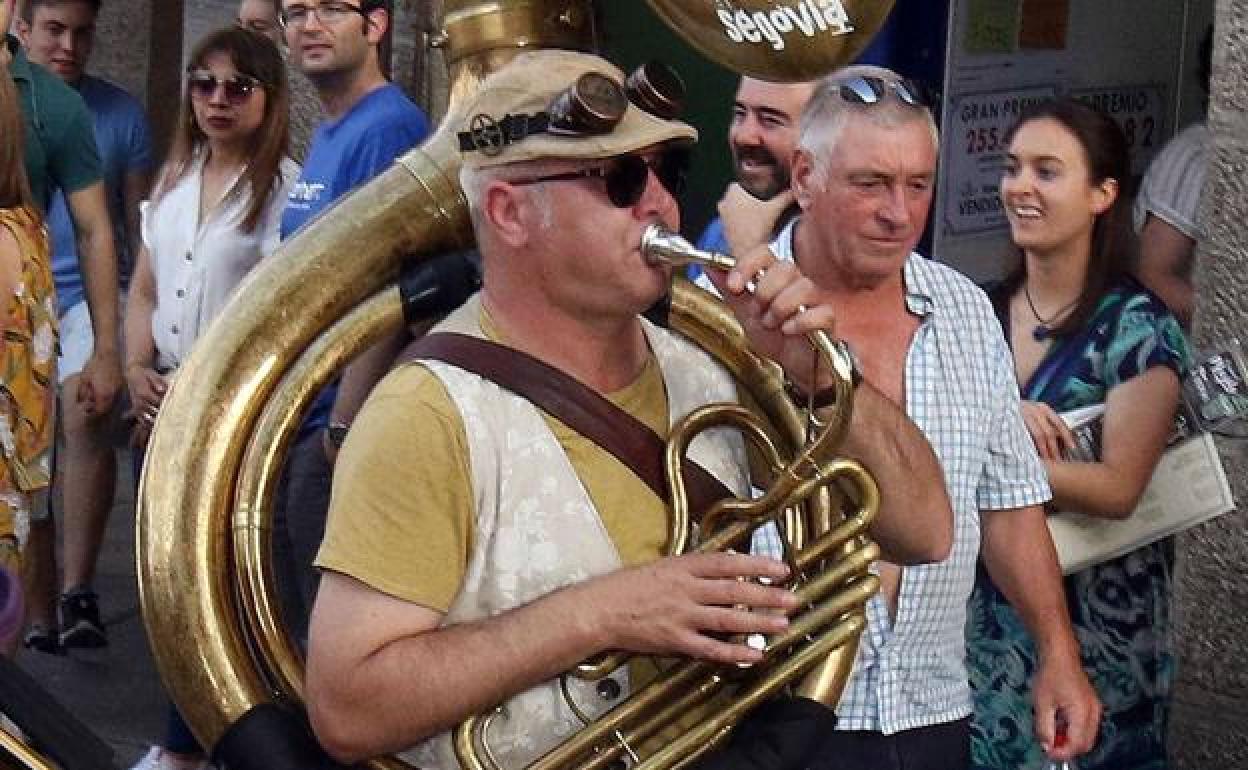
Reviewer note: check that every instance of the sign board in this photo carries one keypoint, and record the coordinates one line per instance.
(1140, 112)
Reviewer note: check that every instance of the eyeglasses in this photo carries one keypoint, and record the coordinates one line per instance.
(626, 175)
(872, 90)
(326, 13)
(203, 85)
(592, 106)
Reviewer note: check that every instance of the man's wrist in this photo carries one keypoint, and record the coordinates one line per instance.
(824, 391)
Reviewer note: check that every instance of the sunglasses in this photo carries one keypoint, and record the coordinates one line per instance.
(626, 176)
(872, 90)
(238, 88)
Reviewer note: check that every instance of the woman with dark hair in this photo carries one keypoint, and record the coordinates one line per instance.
(27, 355)
(215, 212)
(1083, 333)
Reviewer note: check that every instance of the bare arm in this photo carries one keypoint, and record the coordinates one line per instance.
(140, 345)
(1139, 415)
(101, 377)
(359, 378)
(1021, 560)
(1166, 266)
(382, 676)
(134, 191)
(915, 521)
(749, 222)
(147, 387)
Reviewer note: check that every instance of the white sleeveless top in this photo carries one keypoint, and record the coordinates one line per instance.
(537, 532)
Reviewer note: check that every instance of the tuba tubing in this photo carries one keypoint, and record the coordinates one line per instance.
(217, 397)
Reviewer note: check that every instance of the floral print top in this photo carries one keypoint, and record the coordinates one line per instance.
(27, 371)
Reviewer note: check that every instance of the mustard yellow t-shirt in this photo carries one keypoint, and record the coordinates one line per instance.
(401, 517)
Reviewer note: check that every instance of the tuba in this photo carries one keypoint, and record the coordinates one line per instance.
(204, 504)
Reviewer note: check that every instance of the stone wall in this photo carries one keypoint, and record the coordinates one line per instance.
(1210, 720)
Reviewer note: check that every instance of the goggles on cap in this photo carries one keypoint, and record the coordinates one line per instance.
(592, 106)
(626, 175)
(865, 89)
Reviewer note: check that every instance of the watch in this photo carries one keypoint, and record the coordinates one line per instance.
(827, 396)
(337, 433)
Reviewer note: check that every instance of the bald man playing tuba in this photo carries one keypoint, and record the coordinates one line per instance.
(476, 546)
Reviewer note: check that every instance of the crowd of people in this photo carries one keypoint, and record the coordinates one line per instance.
(444, 587)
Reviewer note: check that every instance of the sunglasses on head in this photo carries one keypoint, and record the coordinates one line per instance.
(868, 90)
(202, 85)
(626, 175)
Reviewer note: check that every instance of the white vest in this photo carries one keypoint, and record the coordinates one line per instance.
(538, 531)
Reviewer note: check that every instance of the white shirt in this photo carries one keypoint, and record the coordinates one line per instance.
(197, 265)
(1172, 186)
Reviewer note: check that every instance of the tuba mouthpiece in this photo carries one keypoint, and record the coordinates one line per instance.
(660, 246)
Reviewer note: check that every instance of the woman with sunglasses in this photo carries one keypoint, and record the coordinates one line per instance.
(216, 206)
(27, 357)
(1083, 333)
(214, 213)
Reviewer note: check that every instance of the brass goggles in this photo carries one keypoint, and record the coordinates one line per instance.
(626, 175)
(592, 106)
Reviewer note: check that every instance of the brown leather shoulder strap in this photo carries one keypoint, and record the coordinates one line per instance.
(574, 404)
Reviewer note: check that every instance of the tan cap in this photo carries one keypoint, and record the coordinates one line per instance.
(526, 86)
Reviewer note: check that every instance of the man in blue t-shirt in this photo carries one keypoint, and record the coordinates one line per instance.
(762, 137)
(58, 35)
(369, 123)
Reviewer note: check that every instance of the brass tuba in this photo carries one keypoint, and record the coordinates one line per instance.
(203, 512)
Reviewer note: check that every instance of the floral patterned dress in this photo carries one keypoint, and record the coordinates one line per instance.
(1120, 608)
(27, 375)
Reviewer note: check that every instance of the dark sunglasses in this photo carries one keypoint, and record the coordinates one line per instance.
(626, 176)
(202, 85)
(873, 90)
(592, 106)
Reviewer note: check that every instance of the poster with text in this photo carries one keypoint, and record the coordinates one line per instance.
(1140, 112)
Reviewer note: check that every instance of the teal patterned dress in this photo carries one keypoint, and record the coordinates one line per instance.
(1121, 608)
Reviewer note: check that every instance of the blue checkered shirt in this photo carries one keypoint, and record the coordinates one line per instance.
(961, 392)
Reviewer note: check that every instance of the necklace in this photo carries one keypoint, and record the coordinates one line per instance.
(1043, 328)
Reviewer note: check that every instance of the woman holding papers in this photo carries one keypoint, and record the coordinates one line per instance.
(1083, 332)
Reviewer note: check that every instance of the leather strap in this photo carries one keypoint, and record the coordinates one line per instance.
(574, 404)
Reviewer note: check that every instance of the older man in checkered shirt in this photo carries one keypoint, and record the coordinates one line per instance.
(926, 337)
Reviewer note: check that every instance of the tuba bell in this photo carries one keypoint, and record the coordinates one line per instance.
(204, 506)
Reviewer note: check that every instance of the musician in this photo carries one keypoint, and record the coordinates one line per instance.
(476, 548)
(927, 338)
